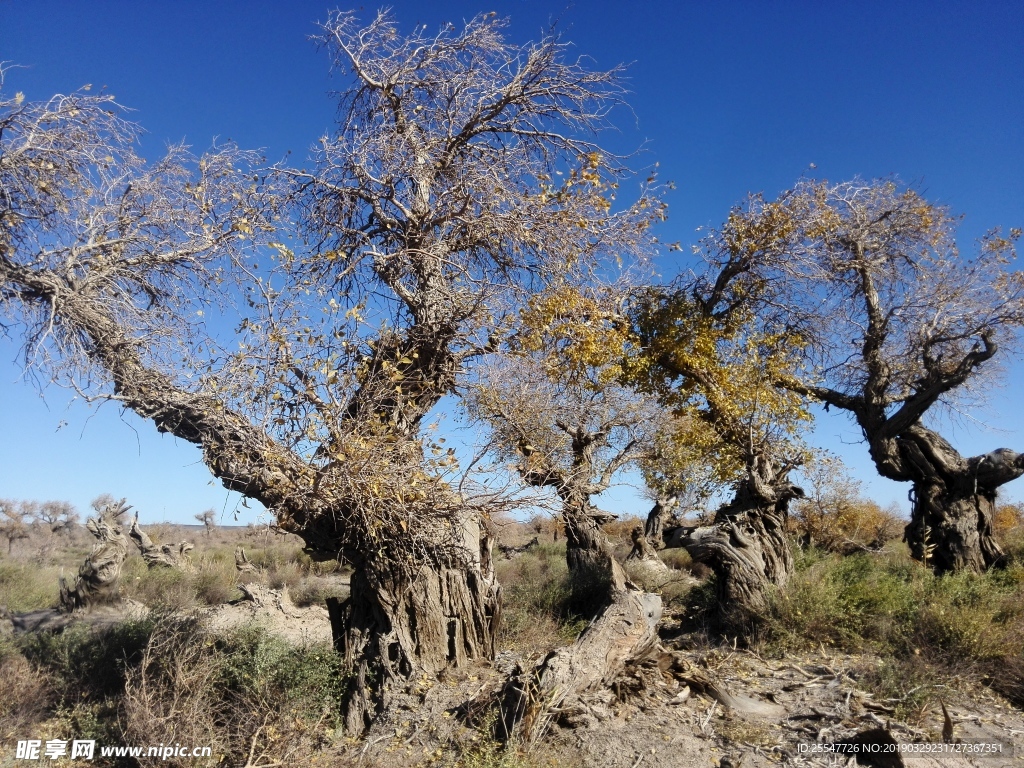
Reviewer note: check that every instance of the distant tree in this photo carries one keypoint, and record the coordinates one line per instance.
(15, 521)
(103, 502)
(680, 477)
(1009, 517)
(896, 324)
(834, 515)
(208, 519)
(58, 516)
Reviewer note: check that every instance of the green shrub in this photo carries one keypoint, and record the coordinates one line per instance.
(309, 681)
(891, 605)
(88, 663)
(676, 558)
(216, 586)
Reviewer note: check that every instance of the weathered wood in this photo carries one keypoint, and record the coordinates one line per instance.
(642, 549)
(509, 551)
(625, 630)
(746, 544)
(394, 624)
(158, 555)
(97, 579)
(660, 514)
(242, 562)
(954, 501)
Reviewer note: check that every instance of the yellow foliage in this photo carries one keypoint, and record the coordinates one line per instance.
(579, 335)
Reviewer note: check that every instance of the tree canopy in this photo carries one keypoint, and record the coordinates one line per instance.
(896, 324)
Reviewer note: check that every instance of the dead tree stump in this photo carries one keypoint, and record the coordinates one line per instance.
(97, 579)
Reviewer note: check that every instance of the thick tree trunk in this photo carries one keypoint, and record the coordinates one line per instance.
(97, 579)
(596, 575)
(951, 531)
(746, 546)
(395, 626)
(954, 498)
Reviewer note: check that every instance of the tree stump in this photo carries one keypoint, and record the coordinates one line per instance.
(97, 579)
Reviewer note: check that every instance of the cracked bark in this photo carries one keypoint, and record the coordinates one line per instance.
(953, 498)
(158, 555)
(98, 577)
(746, 545)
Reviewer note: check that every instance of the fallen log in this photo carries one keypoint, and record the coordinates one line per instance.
(625, 630)
(159, 555)
(509, 551)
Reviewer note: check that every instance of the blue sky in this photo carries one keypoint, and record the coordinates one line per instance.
(729, 97)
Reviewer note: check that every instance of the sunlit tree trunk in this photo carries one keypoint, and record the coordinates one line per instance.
(396, 626)
(746, 545)
(953, 498)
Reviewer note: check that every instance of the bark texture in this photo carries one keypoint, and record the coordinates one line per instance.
(395, 624)
(597, 578)
(953, 497)
(746, 544)
(660, 513)
(626, 630)
(96, 583)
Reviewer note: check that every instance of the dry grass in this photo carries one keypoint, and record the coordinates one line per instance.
(25, 694)
(538, 590)
(27, 587)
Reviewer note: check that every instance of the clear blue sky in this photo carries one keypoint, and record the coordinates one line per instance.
(731, 97)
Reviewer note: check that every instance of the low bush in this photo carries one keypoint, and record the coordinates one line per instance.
(247, 694)
(26, 693)
(893, 606)
(538, 592)
(316, 591)
(87, 663)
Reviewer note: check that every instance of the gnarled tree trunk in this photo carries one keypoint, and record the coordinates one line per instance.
(954, 499)
(97, 579)
(660, 513)
(746, 545)
(158, 555)
(596, 576)
(398, 624)
(642, 549)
